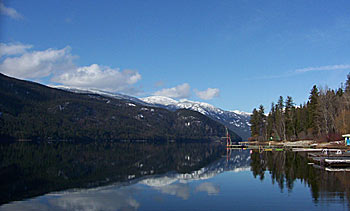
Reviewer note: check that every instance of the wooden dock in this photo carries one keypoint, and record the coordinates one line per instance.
(313, 150)
(339, 162)
(256, 147)
(331, 158)
(332, 169)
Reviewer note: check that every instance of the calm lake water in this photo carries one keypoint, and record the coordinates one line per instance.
(139, 176)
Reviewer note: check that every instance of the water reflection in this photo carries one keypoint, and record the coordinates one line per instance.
(209, 188)
(125, 176)
(107, 198)
(205, 160)
(286, 168)
(30, 169)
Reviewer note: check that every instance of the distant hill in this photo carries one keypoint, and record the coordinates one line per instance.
(33, 111)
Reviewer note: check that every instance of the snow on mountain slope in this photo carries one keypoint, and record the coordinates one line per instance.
(100, 92)
(237, 121)
(159, 100)
(242, 113)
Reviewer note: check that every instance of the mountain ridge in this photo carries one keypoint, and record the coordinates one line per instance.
(34, 111)
(237, 121)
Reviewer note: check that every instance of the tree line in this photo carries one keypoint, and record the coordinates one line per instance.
(325, 116)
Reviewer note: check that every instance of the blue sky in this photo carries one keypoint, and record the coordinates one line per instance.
(232, 54)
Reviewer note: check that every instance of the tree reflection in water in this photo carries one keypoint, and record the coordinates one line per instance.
(286, 167)
(33, 169)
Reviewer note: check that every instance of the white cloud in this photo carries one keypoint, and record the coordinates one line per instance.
(37, 64)
(99, 77)
(58, 66)
(327, 67)
(9, 12)
(13, 49)
(180, 91)
(303, 70)
(208, 94)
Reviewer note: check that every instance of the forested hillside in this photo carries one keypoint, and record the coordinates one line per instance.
(32, 111)
(325, 116)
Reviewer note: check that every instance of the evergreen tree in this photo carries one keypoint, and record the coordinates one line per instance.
(262, 119)
(288, 113)
(257, 122)
(326, 112)
(271, 122)
(313, 111)
(280, 120)
(254, 122)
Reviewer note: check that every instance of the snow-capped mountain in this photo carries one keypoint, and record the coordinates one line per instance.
(237, 121)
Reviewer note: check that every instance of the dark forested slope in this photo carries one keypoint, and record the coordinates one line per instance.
(32, 111)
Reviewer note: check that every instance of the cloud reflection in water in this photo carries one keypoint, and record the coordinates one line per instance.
(108, 198)
(209, 188)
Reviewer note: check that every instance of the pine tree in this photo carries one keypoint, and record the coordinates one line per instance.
(271, 122)
(257, 121)
(280, 120)
(262, 119)
(326, 112)
(254, 128)
(288, 113)
(313, 111)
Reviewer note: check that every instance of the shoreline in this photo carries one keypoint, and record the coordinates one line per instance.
(301, 144)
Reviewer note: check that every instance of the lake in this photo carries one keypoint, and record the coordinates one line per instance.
(174, 176)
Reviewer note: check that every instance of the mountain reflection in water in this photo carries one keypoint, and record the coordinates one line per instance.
(140, 176)
(30, 169)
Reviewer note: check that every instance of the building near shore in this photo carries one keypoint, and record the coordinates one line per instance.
(347, 139)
